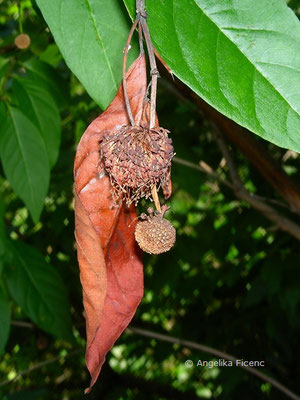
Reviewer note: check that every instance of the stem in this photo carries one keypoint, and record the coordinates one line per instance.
(155, 198)
(203, 167)
(22, 324)
(127, 103)
(140, 6)
(256, 202)
(40, 365)
(141, 39)
(153, 72)
(142, 15)
(20, 17)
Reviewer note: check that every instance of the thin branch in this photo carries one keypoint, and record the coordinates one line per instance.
(164, 338)
(125, 91)
(203, 167)
(153, 72)
(40, 365)
(242, 193)
(22, 324)
(141, 44)
(237, 183)
(141, 13)
(215, 352)
(257, 202)
(20, 17)
(140, 6)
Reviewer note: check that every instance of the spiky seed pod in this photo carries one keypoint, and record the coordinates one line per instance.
(155, 235)
(22, 41)
(136, 158)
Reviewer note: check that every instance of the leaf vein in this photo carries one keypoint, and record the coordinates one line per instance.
(101, 42)
(223, 30)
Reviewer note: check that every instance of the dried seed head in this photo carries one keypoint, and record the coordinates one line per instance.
(155, 235)
(136, 159)
(22, 41)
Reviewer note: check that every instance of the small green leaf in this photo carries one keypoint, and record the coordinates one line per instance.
(24, 158)
(4, 65)
(48, 78)
(4, 318)
(241, 57)
(38, 288)
(51, 55)
(36, 102)
(91, 36)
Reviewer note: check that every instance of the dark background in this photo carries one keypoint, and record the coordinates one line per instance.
(231, 282)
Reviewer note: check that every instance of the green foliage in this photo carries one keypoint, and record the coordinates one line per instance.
(38, 288)
(40, 108)
(2, 234)
(4, 318)
(48, 79)
(24, 158)
(241, 58)
(232, 280)
(91, 37)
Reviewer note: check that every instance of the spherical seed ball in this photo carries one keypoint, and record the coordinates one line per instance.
(156, 235)
(22, 41)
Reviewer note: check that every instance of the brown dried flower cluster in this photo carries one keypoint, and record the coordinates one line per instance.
(136, 158)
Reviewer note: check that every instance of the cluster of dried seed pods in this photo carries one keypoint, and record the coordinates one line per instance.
(137, 157)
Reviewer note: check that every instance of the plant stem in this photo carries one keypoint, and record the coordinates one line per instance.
(155, 198)
(40, 365)
(153, 72)
(20, 16)
(141, 40)
(127, 102)
(140, 6)
(256, 202)
(143, 28)
(142, 15)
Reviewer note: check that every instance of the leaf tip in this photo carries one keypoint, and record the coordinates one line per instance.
(87, 390)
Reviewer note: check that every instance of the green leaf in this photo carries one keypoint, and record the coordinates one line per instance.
(51, 55)
(242, 58)
(91, 35)
(24, 158)
(38, 105)
(49, 79)
(38, 288)
(4, 66)
(3, 237)
(2, 224)
(4, 318)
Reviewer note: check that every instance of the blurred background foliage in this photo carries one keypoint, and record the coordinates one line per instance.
(231, 282)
